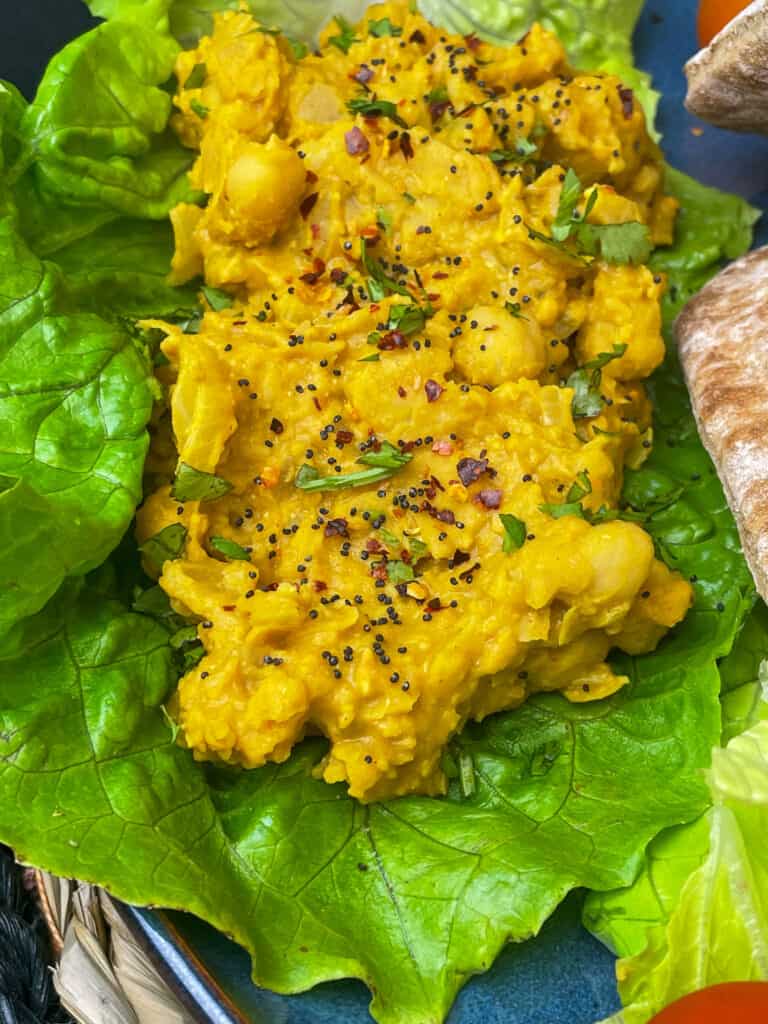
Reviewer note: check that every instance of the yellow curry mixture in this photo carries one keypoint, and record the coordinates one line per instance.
(410, 517)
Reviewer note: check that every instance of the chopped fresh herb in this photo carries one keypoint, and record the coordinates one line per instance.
(387, 456)
(384, 219)
(383, 27)
(466, 774)
(513, 308)
(298, 49)
(389, 538)
(515, 532)
(400, 572)
(216, 298)
(408, 197)
(374, 337)
(562, 225)
(379, 285)
(580, 488)
(198, 108)
(192, 484)
(185, 635)
(417, 547)
(165, 545)
(373, 358)
(339, 482)
(408, 319)
(522, 151)
(617, 243)
(585, 382)
(438, 95)
(346, 35)
(229, 548)
(196, 77)
(192, 324)
(192, 656)
(375, 108)
(571, 508)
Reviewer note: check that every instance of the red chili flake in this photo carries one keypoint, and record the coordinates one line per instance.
(459, 558)
(523, 39)
(490, 497)
(315, 229)
(344, 436)
(339, 276)
(472, 41)
(442, 448)
(465, 110)
(406, 446)
(311, 177)
(373, 546)
(228, 607)
(392, 340)
(434, 604)
(363, 75)
(438, 108)
(349, 300)
(276, 426)
(440, 276)
(469, 72)
(470, 470)
(314, 275)
(401, 391)
(430, 493)
(371, 235)
(320, 586)
(423, 229)
(627, 98)
(433, 390)
(336, 528)
(356, 142)
(433, 296)
(317, 404)
(445, 515)
(436, 483)
(379, 571)
(417, 36)
(405, 146)
(268, 587)
(307, 205)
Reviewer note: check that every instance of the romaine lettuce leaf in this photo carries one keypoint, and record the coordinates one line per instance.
(718, 928)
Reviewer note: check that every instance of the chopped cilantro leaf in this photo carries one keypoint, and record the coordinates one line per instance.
(383, 27)
(400, 572)
(379, 285)
(192, 484)
(229, 548)
(196, 76)
(585, 382)
(569, 197)
(346, 35)
(580, 488)
(198, 108)
(514, 532)
(375, 108)
(216, 298)
(165, 545)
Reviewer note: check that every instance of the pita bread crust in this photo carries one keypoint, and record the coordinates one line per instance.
(728, 80)
(722, 337)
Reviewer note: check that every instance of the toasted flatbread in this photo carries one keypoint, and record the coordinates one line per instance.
(728, 80)
(721, 336)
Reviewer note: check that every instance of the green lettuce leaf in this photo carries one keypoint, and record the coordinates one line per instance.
(75, 398)
(121, 269)
(96, 134)
(718, 928)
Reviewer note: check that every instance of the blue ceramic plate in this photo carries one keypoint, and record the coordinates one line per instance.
(564, 976)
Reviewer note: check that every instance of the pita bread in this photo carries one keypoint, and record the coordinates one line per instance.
(721, 336)
(728, 80)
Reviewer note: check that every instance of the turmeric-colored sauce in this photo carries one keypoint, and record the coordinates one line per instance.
(420, 505)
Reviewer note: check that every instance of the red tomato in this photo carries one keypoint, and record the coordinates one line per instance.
(737, 1002)
(715, 14)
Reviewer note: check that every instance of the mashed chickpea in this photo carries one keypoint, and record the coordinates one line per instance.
(419, 526)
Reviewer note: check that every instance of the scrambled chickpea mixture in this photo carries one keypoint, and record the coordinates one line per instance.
(418, 529)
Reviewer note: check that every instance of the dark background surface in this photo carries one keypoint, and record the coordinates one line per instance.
(33, 30)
